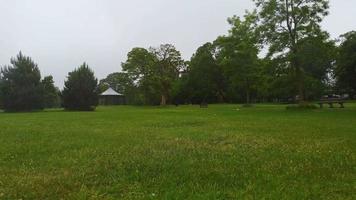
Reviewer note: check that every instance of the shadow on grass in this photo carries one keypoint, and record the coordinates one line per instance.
(51, 110)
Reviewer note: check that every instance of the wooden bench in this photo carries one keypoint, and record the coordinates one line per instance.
(331, 102)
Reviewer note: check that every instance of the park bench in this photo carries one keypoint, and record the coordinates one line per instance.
(331, 102)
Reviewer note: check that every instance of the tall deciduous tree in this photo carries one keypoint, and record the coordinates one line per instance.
(238, 54)
(139, 64)
(205, 76)
(80, 90)
(166, 68)
(283, 23)
(346, 63)
(21, 86)
(154, 71)
(139, 67)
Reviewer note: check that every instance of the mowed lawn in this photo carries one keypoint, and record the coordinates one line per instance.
(223, 152)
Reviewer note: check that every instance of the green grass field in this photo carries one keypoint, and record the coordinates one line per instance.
(223, 152)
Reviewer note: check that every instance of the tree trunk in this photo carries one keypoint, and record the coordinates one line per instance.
(163, 100)
(298, 75)
(248, 101)
(220, 97)
(300, 84)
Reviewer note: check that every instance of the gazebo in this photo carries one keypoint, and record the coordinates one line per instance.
(111, 97)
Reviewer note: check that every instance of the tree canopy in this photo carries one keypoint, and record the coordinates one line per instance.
(166, 69)
(205, 77)
(284, 23)
(154, 72)
(346, 63)
(238, 55)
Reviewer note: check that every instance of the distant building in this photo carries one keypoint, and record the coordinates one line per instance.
(111, 97)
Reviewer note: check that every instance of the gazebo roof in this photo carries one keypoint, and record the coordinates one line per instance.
(110, 92)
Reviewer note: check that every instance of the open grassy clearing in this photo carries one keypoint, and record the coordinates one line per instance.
(179, 153)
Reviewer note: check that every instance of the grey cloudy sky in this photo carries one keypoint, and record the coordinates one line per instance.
(61, 34)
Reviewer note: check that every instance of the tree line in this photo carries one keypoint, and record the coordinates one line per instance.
(276, 53)
(23, 89)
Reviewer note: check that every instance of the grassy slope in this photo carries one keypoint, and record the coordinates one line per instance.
(179, 153)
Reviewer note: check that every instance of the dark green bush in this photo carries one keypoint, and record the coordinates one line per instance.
(302, 106)
(81, 90)
(247, 105)
(51, 97)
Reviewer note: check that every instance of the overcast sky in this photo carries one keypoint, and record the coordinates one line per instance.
(61, 34)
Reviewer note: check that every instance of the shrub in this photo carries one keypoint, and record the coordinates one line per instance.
(80, 90)
(302, 106)
(51, 93)
(247, 105)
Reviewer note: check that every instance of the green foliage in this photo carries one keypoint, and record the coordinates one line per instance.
(122, 83)
(166, 69)
(205, 79)
(138, 64)
(139, 67)
(299, 65)
(153, 72)
(21, 88)
(238, 56)
(284, 23)
(119, 81)
(346, 64)
(300, 60)
(302, 106)
(80, 90)
(181, 90)
(275, 81)
(51, 96)
(316, 56)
